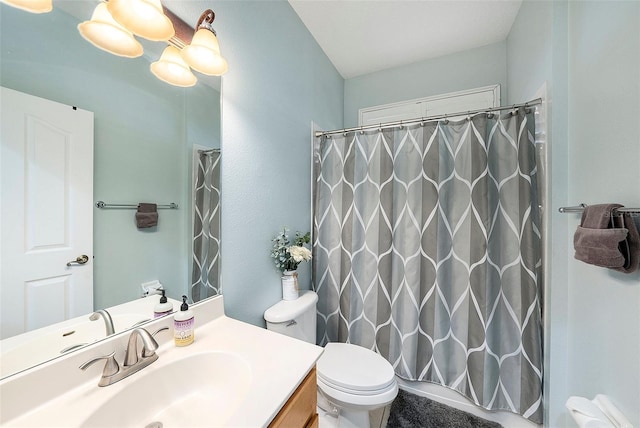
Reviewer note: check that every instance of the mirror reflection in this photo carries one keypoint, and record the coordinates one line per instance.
(152, 143)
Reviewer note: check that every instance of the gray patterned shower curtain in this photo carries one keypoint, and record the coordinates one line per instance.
(205, 278)
(427, 249)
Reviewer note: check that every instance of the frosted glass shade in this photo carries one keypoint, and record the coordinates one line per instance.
(172, 69)
(33, 6)
(203, 54)
(105, 33)
(144, 18)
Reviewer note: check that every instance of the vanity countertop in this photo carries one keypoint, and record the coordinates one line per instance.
(270, 365)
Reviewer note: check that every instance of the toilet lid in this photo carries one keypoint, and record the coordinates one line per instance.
(353, 367)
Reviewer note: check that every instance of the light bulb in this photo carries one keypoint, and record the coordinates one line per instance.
(105, 33)
(144, 18)
(203, 54)
(33, 6)
(172, 69)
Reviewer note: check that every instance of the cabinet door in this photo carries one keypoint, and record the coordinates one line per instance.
(300, 409)
(314, 422)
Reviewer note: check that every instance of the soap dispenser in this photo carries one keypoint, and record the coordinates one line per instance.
(183, 325)
(163, 307)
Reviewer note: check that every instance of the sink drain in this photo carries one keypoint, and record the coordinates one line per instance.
(156, 424)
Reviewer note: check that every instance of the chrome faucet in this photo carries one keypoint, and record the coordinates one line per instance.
(108, 321)
(149, 346)
(133, 361)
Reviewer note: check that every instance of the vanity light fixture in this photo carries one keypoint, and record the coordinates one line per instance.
(105, 33)
(144, 18)
(33, 6)
(172, 69)
(203, 53)
(114, 23)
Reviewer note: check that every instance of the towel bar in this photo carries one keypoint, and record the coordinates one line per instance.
(581, 207)
(102, 204)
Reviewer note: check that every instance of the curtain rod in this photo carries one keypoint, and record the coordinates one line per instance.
(428, 119)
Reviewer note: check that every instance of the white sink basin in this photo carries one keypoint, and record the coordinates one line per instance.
(202, 389)
(233, 375)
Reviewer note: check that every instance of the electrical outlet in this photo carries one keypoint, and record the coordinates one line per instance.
(151, 287)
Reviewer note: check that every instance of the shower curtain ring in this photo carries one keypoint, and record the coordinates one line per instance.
(422, 121)
(446, 121)
(361, 131)
(380, 127)
(401, 125)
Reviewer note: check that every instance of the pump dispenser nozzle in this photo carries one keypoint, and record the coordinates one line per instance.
(163, 299)
(163, 307)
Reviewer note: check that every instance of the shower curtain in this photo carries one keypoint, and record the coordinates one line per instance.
(427, 249)
(206, 227)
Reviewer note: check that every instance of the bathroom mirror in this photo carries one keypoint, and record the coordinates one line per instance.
(147, 136)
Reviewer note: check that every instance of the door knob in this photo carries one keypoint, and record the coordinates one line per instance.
(80, 260)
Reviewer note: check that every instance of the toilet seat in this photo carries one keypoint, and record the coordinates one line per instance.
(350, 400)
(354, 375)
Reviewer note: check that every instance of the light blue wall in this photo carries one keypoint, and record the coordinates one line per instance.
(464, 70)
(536, 58)
(604, 166)
(142, 144)
(279, 80)
(529, 53)
(589, 55)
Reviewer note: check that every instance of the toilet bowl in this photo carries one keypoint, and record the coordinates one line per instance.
(352, 380)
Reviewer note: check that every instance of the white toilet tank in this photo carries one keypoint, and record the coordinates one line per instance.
(295, 318)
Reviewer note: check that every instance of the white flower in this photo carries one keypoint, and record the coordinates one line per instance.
(300, 254)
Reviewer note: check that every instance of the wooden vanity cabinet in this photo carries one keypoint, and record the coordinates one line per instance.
(300, 409)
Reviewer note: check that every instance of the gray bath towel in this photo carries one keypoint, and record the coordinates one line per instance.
(603, 240)
(629, 247)
(147, 215)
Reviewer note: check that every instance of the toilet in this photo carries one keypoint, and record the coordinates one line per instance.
(352, 380)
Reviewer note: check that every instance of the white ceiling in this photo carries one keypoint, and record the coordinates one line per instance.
(363, 36)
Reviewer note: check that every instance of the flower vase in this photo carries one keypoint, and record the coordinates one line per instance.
(290, 290)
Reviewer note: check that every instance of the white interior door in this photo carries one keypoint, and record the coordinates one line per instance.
(46, 215)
